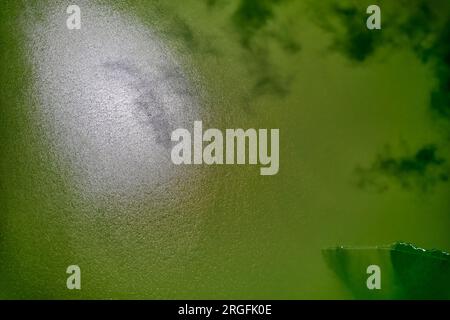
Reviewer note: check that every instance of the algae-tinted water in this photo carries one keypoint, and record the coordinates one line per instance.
(363, 147)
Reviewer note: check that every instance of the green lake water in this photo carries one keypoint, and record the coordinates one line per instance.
(226, 231)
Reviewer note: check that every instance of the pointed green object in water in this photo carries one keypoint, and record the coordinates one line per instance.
(406, 271)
